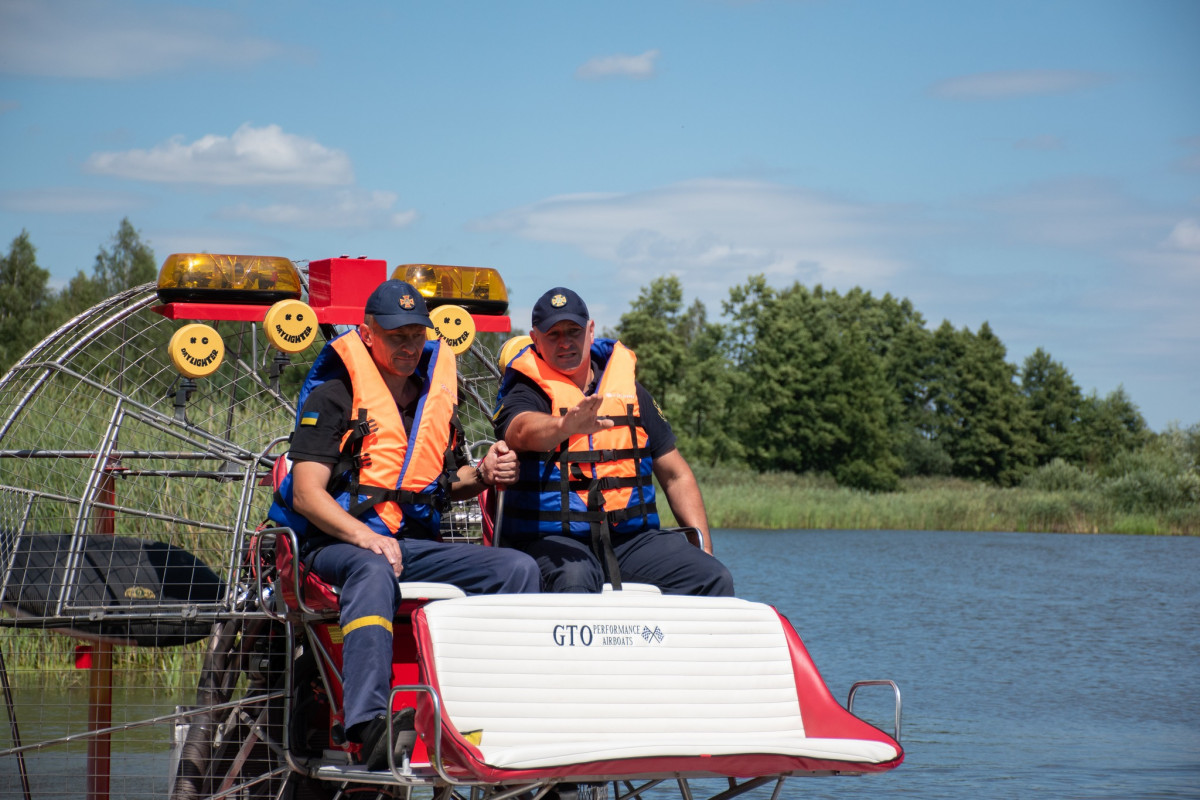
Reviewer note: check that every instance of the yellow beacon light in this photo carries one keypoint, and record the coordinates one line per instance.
(479, 290)
(211, 278)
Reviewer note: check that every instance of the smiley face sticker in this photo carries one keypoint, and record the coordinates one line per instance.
(196, 350)
(290, 325)
(454, 325)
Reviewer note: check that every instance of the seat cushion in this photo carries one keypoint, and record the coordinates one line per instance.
(555, 681)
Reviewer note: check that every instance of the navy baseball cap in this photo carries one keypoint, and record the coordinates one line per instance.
(559, 304)
(395, 303)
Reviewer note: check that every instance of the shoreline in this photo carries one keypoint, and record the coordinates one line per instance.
(779, 501)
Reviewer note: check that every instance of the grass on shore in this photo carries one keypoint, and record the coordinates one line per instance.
(743, 499)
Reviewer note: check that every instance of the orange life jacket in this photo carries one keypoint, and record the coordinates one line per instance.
(605, 476)
(385, 474)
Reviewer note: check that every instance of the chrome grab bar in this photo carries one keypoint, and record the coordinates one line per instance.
(895, 689)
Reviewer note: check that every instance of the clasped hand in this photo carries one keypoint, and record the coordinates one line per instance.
(499, 465)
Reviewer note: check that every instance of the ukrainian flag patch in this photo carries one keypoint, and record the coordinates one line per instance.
(309, 418)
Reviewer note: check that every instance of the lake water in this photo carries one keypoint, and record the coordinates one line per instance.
(1031, 665)
(1047, 665)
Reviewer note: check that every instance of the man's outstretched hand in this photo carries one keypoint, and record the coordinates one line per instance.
(582, 419)
(536, 432)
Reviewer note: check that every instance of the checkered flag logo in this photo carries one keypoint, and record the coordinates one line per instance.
(655, 635)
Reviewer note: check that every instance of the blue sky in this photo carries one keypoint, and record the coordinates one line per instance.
(1035, 165)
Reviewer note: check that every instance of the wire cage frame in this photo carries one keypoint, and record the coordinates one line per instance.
(129, 497)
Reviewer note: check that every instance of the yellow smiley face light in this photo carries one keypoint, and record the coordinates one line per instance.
(196, 350)
(290, 325)
(454, 325)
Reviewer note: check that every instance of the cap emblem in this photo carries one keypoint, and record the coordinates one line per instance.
(406, 302)
(558, 301)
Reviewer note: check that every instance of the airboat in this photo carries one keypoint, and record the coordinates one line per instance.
(158, 640)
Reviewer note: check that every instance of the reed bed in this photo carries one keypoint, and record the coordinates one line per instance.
(775, 501)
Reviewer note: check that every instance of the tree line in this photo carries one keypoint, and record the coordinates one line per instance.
(30, 308)
(801, 380)
(795, 379)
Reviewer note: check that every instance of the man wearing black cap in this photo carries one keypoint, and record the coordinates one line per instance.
(590, 440)
(377, 455)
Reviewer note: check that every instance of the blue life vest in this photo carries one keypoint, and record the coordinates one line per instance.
(590, 479)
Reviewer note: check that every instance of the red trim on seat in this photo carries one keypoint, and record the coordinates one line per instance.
(318, 595)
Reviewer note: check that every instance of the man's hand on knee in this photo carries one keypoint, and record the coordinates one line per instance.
(387, 547)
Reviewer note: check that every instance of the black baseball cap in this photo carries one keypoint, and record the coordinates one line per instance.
(559, 304)
(395, 303)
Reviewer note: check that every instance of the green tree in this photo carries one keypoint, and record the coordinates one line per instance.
(24, 299)
(982, 420)
(129, 263)
(1108, 427)
(652, 329)
(895, 332)
(1054, 401)
(816, 394)
(681, 363)
(709, 393)
(80, 294)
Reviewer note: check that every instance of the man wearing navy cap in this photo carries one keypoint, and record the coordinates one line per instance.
(590, 440)
(378, 455)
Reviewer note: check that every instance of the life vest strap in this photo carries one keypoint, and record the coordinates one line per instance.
(614, 482)
(642, 510)
(590, 516)
(589, 456)
(437, 497)
(602, 544)
(570, 516)
(574, 485)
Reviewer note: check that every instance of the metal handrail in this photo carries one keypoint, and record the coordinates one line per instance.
(895, 689)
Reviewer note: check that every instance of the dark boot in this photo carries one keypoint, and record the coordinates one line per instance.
(374, 751)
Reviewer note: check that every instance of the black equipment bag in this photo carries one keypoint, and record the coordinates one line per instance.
(116, 575)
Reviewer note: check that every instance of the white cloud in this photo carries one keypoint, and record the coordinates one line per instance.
(1082, 213)
(1115, 256)
(619, 66)
(84, 39)
(67, 200)
(718, 232)
(1185, 236)
(1017, 83)
(250, 157)
(345, 209)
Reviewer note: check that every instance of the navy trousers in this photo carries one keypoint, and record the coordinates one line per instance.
(663, 558)
(371, 595)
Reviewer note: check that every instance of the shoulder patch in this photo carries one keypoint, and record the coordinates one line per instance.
(309, 418)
